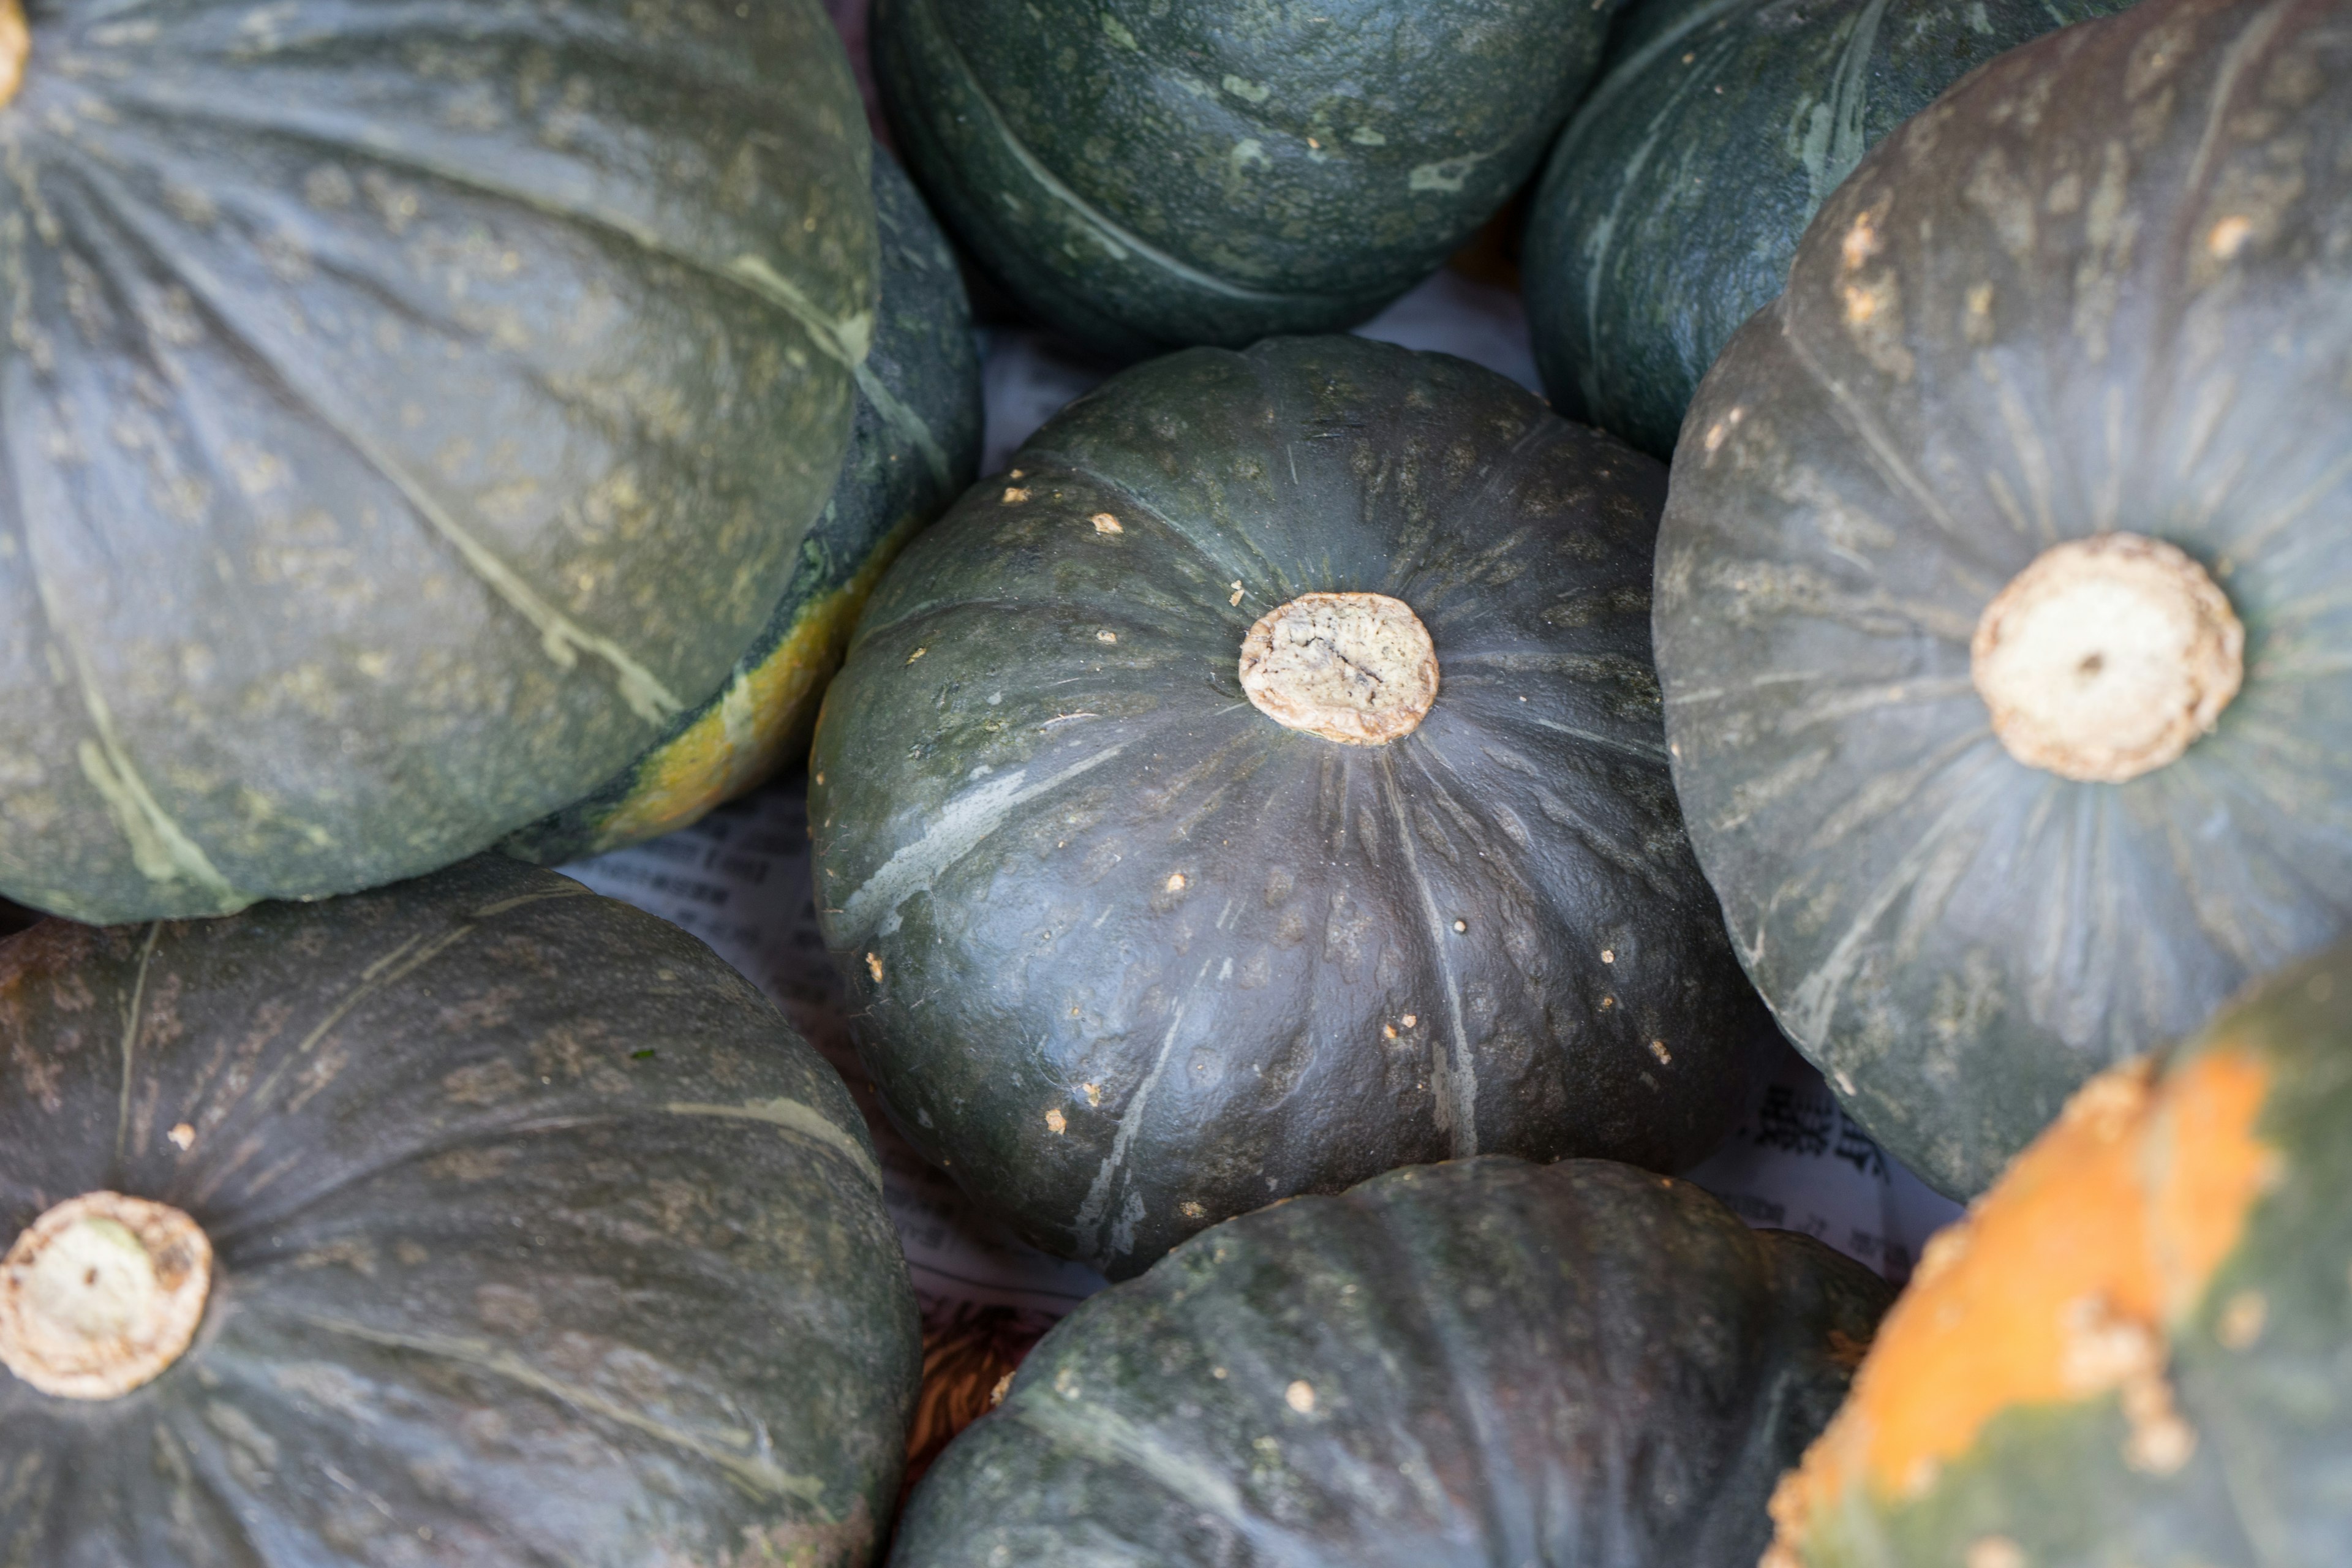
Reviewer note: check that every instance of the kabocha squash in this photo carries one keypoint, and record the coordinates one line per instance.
(2002, 590)
(914, 444)
(1261, 787)
(479, 1221)
(412, 411)
(1480, 1362)
(1671, 209)
(2135, 1348)
(1146, 176)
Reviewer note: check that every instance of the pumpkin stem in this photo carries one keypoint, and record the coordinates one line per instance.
(101, 1294)
(16, 46)
(1357, 668)
(2107, 658)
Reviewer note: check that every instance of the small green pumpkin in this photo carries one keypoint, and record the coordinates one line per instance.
(2002, 589)
(1670, 210)
(914, 445)
(1261, 787)
(1453, 1367)
(479, 1221)
(1146, 176)
(2138, 1349)
(413, 410)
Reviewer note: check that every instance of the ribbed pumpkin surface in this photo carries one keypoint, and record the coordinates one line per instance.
(2104, 285)
(1146, 176)
(1671, 209)
(539, 1236)
(2135, 1349)
(1452, 1366)
(1131, 955)
(411, 411)
(914, 445)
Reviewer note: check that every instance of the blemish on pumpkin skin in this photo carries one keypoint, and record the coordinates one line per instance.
(873, 967)
(2228, 238)
(1055, 1122)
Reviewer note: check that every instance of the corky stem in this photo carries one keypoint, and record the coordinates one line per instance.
(16, 47)
(101, 1294)
(1354, 667)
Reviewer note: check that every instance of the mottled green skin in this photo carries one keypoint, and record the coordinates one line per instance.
(1581, 1365)
(1959, 940)
(1002, 795)
(910, 453)
(540, 1237)
(1146, 175)
(1670, 211)
(2270, 1482)
(409, 410)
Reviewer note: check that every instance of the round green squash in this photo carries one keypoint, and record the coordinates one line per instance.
(535, 1236)
(914, 445)
(2135, 1349)
(1581, 1365)
(2002, 590)
(1130, 953)
(1671, 209)
(412, 411)
(1146, 176)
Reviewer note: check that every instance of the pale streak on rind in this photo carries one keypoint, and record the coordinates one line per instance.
(1109, 1440)
(793, 1116)
(1091, 1210)
(1459, 1102)
(758, 1473)
(133, 1016)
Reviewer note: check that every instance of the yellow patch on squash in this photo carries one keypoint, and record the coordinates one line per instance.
(2063, 1283)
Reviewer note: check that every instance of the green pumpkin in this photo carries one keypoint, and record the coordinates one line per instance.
(1582, 1366)
(413, 411)
(914, 445)
(1671, 209)
(535, 1236)
(2001, 591)
(1146, 176)
(2135, 1349)
(1130, 953)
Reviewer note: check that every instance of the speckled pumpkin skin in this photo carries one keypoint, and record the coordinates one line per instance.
(2134, 312)
(1129, 956)
(539, 1236)
(1146, 175)
(1454, 1366)
(2209, 1196)
(914, 445)
(413, 410)
(1671, 209)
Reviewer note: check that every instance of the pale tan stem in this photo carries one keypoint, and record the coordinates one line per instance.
(101, 1294)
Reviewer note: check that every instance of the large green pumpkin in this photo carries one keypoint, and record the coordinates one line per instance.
(2138, 1348)
(1145, 175)
(1485, 1363)
(1130, 953)
(1670, 211)
(411, 411)
(914, 445)
(2003, 587)
(535, 1236)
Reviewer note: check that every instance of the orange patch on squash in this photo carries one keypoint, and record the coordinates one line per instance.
(2062, 1284)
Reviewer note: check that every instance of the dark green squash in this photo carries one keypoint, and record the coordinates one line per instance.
(537, 1236)
(1145, 176)
(1671, 209)
(913, 447)
(412, 410)
(1485, 1363)
(2135, 1349)
(1130, 955)
(2087, 320)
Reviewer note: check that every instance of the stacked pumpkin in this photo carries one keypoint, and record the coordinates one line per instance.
(442, 428)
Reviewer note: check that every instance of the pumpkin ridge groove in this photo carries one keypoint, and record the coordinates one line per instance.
(1108, 231)
(794, 1116)
(561, 638)
(1096, 1203)
(1111, 1438)
(2263, 531)
(1457, 1100)
(845, 341)
(135, 1019)
(958, 830)
(2234, 59)
(1644, 750)
(1848, 98)
(759, 1473)
(1882, 454)
(1127, 493)
(200, 1448)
